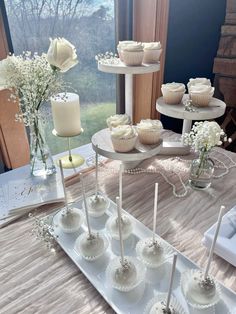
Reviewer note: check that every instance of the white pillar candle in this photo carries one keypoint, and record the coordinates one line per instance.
(66, 114)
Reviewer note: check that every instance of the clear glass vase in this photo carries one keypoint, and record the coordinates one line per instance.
(40, 156)
(201, 172)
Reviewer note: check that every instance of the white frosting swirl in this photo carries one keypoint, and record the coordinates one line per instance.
(201, 89)
(124, 43)
(199, 80)
(152, 45)
(148, 124)
(123, 132)
(174, 87)
(118, 119)
(133, 47)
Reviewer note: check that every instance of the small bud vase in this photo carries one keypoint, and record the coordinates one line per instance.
(201, 171)
(40, 156)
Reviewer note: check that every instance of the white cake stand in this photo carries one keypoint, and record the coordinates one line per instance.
(215, 109)
(102, 144)
(128, 71)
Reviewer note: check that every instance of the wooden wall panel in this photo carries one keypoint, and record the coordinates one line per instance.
(150, 24)
(14, 147)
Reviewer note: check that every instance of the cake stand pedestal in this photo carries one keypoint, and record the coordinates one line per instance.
(102, 144)
(70, 161)
(215, 109)
(128, 71)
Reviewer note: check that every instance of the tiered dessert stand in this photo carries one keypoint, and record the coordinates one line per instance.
(128, 71)
(215, 109)
(101, 140)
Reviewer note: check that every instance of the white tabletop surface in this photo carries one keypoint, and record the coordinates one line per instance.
(215, 109)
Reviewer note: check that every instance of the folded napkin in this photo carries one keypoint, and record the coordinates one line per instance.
(226, 241)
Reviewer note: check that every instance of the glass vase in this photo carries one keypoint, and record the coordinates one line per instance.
(40, 156)
(201, 172)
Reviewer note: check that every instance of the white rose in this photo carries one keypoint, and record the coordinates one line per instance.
(62, 54)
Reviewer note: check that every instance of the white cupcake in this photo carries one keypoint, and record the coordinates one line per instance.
(123, 44)
(118, 119)
(173, 92)
(152, 52)
(132, 54)
(149, 131)
(123, 138)
(200, 94)
(198, 80)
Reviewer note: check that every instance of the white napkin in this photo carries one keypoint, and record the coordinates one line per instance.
(226, 241)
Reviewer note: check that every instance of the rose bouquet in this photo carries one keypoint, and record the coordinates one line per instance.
(32, 80)
(202, 138)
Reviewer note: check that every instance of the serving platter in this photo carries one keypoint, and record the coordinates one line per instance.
(156, 280)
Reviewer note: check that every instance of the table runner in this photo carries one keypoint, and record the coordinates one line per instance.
(34, 280)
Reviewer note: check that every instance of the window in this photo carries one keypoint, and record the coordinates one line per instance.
(89, 25)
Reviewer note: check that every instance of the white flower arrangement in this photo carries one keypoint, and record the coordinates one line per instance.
(204, 136)
(33, 79)
(107, 58)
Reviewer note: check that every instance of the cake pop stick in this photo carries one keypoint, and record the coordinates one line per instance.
(155, 211)
(96, 173)
(85, 204)
(222, 208)
(120, 230)
(171, 282)
(63, 184)
(120, 183)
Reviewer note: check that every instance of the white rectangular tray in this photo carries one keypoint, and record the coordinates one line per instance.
(156, 281)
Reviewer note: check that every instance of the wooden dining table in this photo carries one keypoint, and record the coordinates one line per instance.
(33, 279)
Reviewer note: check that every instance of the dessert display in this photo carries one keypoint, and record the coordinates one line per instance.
(132, 54)
(200, 289)
(112, 227)
(123, 138)
(201, 94)
(152, 253)
(124, 273)
(198, 80)
(157, 305)
(118, 119)
(70, 219)
(173, 92)
(152, 52)
(127, 275)
(97, 204)
(149, 131)
(91, 245)
(123, 44)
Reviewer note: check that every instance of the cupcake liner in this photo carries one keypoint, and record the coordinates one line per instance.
(124, 145)
(132, 58)
(162, 297)
(200, 100)
(184, 282)
(167, 252)
(151, 55)
(77, 248)
(116, 263)
(148, 137)
(172, 98)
